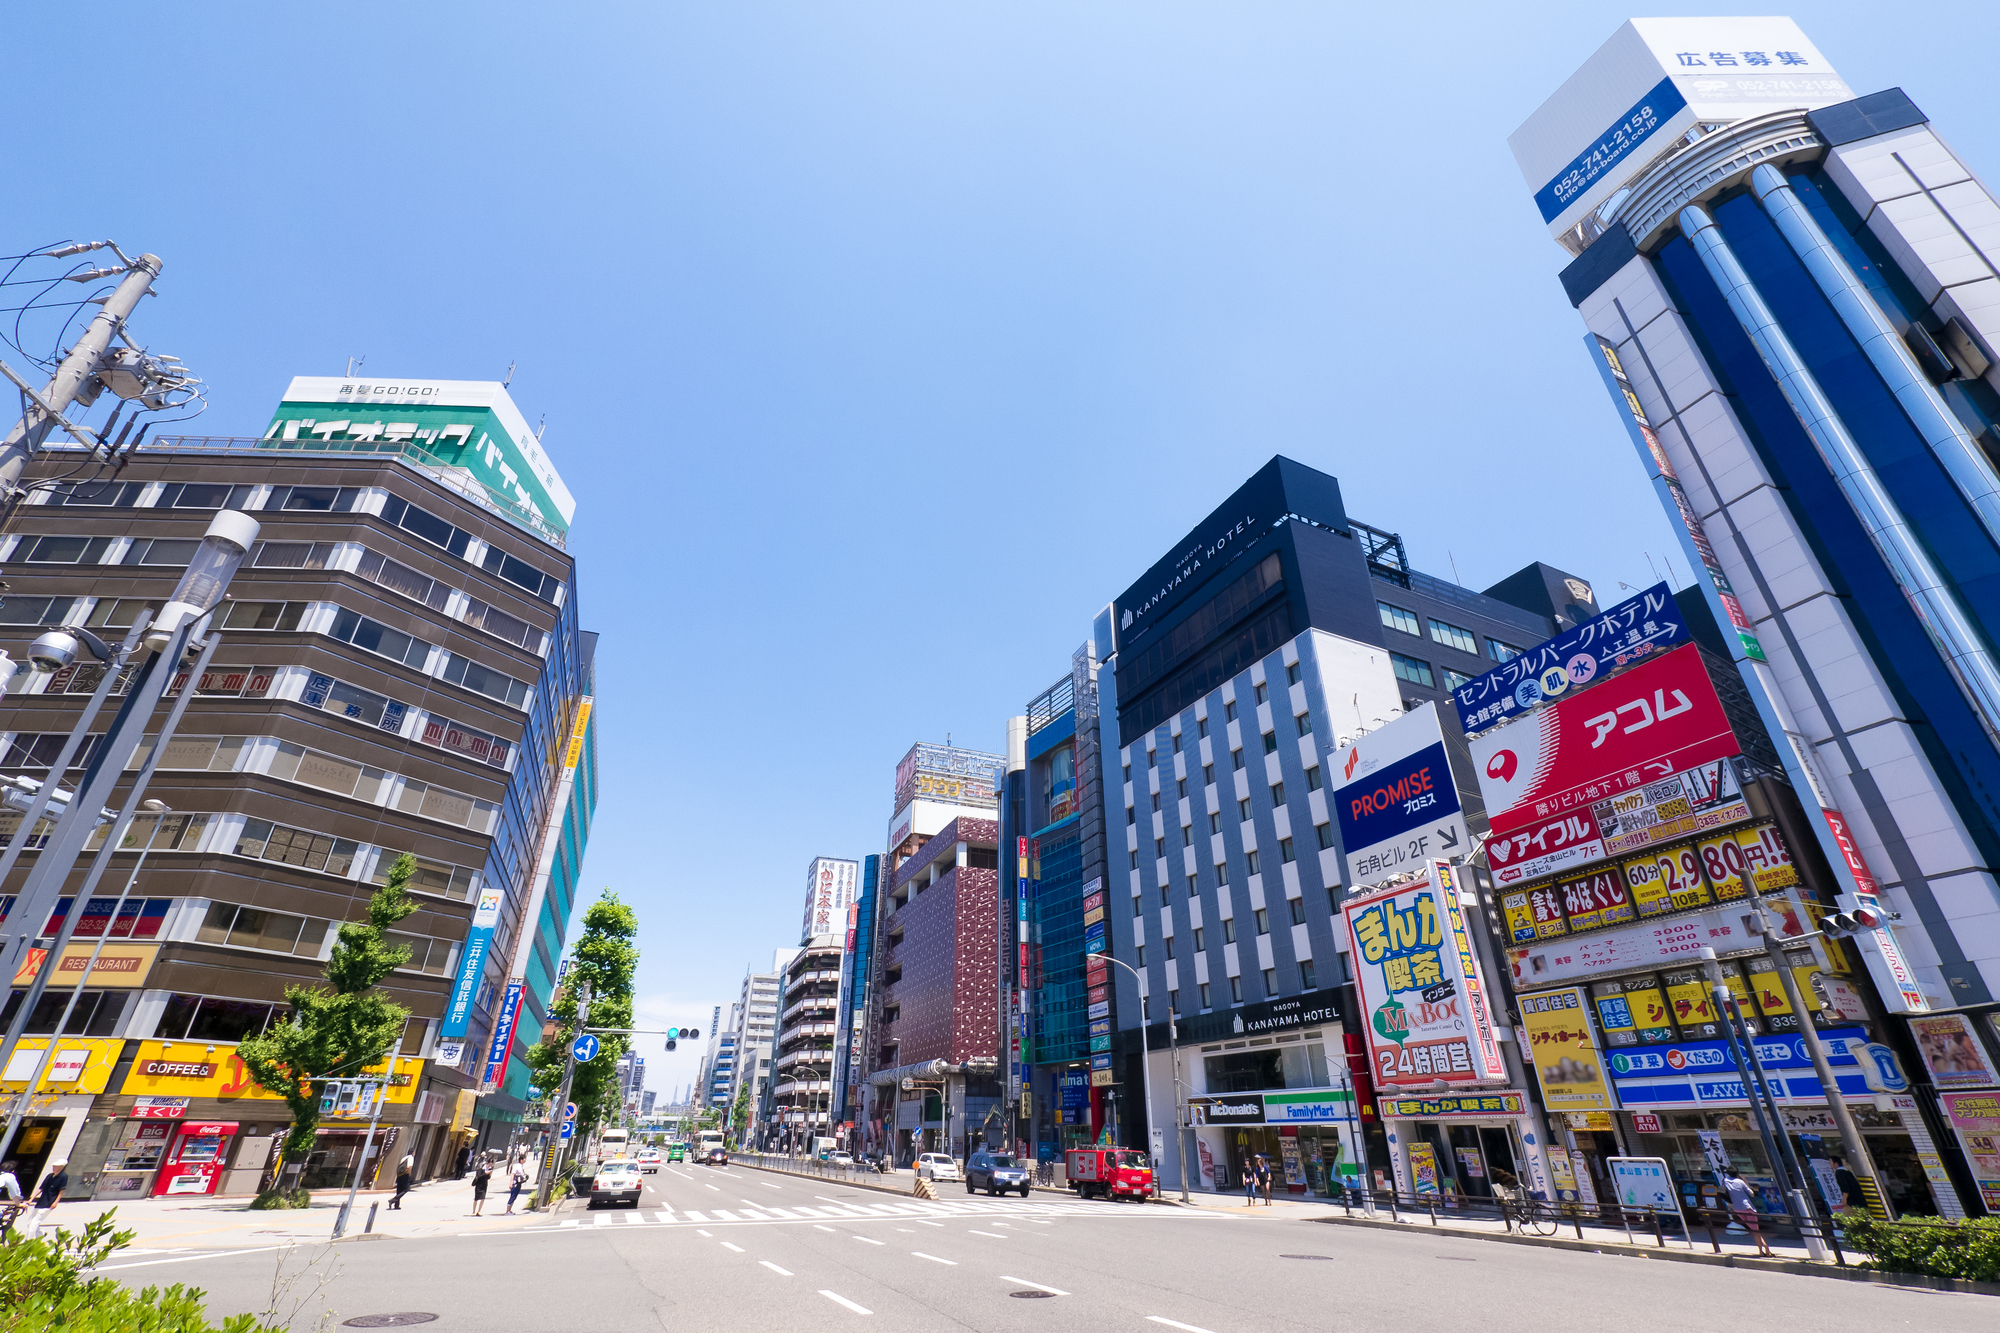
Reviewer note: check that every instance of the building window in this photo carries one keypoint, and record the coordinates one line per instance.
(255, 928)
(1193, 887)
(35, 610)
(1305, 721)
(1160, 849)
(1131, 815)
(1236, 990)
(1455, 680)
(1163, 895)
(1140, 955)
(1255, 867)
(1138, 906)
(1313, 778)
(1177, 742)
(1180, 788)
(374, 637)
(1261, 692)
(1200, 941)
(1156, 801)
(1168, 942)
(173, 551)
(296, 847)
(1277, 793)
(1307, 980)
(1414, 670)
(1146, 1007)
(1152, 758)
(1201, 726)
(1204, 996)
(1128, 772)
(1292, 674)
(1270, 981)
(1173, 1001)
(1325, 832)
(1236, 761)
(1243, 810)
(1395, 617)
(1214, 822)
(1454, 636)
(1208, 775)
(1501, 652)
(467, 674)
(1298, 910)
(263, 615)
(1229, 930)
(1135, 859)
(1263, 920)
(1222, 872)
(1271, 740)
(1229, 711)
(1285, 853)
(66, 550)
(1333, 899)
(1187, 835)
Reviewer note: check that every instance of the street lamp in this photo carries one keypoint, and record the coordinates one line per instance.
(1145, 1073)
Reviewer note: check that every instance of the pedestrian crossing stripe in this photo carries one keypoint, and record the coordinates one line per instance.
(858, 1212)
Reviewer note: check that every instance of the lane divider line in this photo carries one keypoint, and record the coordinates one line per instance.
(994, 1234)
(727, 1246)
(781, 1272)
(953, 1262)
(870, 1240)
(1053, 1291)
(839, 1299)
(186, 1258)
(818, 1226)
(1175, 1323)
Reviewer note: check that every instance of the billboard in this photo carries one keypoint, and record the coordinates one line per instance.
(1564, 1051)
(830, 888)
(1678, 939)
(1420, 985)
(1545, 847)
(472, 964)
(1655, 79)
(1398, 806)
(471, 425)
(1952, 1052)
(1629, 632)
(949, 775)
(1657, 719)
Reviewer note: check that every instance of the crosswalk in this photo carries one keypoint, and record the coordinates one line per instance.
(830, 1211)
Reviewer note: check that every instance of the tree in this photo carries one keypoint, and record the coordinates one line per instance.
(740, 1114)
(342, 1031)
(605, 957)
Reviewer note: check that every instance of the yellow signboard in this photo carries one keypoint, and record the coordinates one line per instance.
(118, 966)
(204, 1069)
(80, 1064)
(574, 754)
(1564, 1052)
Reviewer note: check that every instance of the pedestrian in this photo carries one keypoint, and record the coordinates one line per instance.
(1743, 1207)
(1264, 1178)
(481, 1175)
(516, 1182)
(10, 1198)
(402, 1184)
(464, 1160)
(1844, 1181)
(47, 1195)
(1250, 1181)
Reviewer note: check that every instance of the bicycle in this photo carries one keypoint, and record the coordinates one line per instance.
(1537, 1217)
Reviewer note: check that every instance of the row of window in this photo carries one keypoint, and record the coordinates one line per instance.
(282, 932)
(1450, 635)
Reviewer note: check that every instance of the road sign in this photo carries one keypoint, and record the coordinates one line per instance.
(569, 1128)
(584, 1048)
(569, 1113)
(1397, 804)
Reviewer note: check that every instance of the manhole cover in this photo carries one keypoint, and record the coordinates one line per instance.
(402, 1320)
(1305, 1256)
(1030, 1295)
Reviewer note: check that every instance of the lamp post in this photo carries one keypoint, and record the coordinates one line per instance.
(1146, 1078)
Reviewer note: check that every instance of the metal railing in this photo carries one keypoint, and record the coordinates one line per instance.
(851, 1173)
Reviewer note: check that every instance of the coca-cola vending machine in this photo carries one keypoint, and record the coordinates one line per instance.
(196, 1160)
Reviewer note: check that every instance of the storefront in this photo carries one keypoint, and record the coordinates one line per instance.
(1306, 1129)
(55, 1120)
(1458, 1144)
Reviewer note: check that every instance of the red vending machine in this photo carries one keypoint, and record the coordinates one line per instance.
(195, 1161)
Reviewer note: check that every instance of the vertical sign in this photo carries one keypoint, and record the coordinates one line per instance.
(502, 1045)
(485, 919)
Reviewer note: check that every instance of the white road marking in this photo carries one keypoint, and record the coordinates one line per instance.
(574, 1222)
(767, 1185)
(818, 1227)
(838, 1299)
(781, 1272)
(716, 1188)
(996, 1235)
(1053, 1291)
(1175, 1323)
(693, 1216)
(727, 1246)
(699, 1232)
(601, 1220)
(934, 1259)
(725, 1215)
(667, 1215)
(868, 1239)
(187, 1258)
(922, 1223)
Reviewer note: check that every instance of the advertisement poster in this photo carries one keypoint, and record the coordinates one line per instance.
(1951, 1051)
(1657, 719)
(1546, 848)
(1471, 1164)
(1704, 797)
(1420, 988)
(1976, 1118)
(1295, 1167)
(1631, 631)
(1564, 1052)
(1423, 1169)
(1396, 803)
(1563, 1172)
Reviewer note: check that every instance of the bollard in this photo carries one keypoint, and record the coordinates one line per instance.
(1395, 1207)
(1430, 1201)
(1708, 1220)
(1576, 1219)
(371, 1217)
(1368, 1202)
(1659, 1235)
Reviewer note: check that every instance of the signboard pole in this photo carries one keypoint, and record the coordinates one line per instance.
(1757, 1091)
(367, 1147)
(554, 1157)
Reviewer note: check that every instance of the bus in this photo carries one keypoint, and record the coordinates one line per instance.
(613, 1143)
(704, 1140)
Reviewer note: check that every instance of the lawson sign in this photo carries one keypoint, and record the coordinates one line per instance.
(1397, 806)
(1704, 1073)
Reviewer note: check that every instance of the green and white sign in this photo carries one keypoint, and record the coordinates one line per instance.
(468, 424)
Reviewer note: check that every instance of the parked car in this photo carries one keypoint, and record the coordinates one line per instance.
(616, 1182)
(938, 1166)
(717, 1157)
(649, 1159)
(996, 1172)
(1109, 1173)
(840, 1159)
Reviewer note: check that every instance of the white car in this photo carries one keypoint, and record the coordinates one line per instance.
(938, 1166)
(840, 1159)
(649, 1160)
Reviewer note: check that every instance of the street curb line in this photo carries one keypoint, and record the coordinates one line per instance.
(1744, 1261)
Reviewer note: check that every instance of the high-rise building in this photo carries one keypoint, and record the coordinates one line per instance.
(850, 1040)
(757, 1025)
(401, 670)
(1277, 630)
(1791, 293)
(808, 1023)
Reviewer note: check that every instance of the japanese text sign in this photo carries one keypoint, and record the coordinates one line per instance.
(1634, 629)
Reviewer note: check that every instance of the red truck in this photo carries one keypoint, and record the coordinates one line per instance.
(1109, 1173)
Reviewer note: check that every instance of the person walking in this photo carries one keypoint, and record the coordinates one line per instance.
(517, 1181)
(1250, 1181)
(1264, 1178)
(47, 1195)
(402, 1184)
(482, 1175)
(10, 1198)
(1850, 1188)
(1743, 1207)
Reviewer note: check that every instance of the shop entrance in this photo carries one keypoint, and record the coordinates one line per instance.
(30, 1150)
(1470, 1157)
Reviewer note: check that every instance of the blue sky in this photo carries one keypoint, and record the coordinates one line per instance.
(881, 343)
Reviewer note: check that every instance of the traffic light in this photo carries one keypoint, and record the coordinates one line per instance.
(1840, 925)
(673, 1037)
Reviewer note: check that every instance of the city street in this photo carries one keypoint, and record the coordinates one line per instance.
(738, 1248)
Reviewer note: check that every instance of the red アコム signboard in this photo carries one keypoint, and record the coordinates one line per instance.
(1635, 728)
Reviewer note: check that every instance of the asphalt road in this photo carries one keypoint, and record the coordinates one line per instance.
(739, 1249)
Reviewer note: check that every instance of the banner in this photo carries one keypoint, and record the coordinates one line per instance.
(502, 1044)
(1544, 848)
(1420, 986)
(1397, 805)
(1564, 1052)
(1975, 1117)
(1951, 1051)
(1631, 631)
(1657, 719)
(472, 964)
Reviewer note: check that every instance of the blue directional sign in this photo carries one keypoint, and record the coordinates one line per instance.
(569, 1128)
(584, 1048)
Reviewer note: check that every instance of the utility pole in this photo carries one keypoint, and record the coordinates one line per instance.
(558, 1109)
(1180, 1101)
(75, 373)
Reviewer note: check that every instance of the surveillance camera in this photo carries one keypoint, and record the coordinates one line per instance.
(53, 651)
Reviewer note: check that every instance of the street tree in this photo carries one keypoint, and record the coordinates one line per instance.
(340, 1030)
(606, 957)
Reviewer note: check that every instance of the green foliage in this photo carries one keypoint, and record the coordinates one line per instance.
(269, 1199)
(43, 1288)
(606, 957)
(1968, 1250)
(740, 1116)
(341, 1031)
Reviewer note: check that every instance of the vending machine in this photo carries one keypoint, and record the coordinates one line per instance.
(195, 1162)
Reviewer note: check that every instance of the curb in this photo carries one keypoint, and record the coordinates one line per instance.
(1800, 1267)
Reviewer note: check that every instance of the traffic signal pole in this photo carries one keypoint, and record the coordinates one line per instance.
(559, 1109)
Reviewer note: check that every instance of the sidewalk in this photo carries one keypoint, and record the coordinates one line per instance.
(168, 1224)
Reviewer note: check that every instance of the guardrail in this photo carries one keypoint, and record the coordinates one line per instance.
(856, 1173)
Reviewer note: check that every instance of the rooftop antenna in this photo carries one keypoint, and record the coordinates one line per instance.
(1454, 567)
(510, 374)
(541, 426)
(1650, 565)
(353, 362)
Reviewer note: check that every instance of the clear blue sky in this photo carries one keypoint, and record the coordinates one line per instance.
(882, 343)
